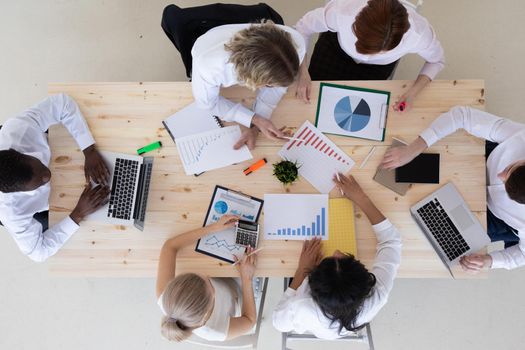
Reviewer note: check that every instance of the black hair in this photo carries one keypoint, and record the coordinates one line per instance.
(339, 286)
(515, 185)
(15, 171)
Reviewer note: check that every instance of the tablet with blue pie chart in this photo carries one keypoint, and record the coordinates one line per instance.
(349, 111)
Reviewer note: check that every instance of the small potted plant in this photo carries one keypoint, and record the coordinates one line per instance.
(286, 171)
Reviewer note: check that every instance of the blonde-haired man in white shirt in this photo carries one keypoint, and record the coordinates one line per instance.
(505, 178)
(363, 40)
(263, 57)
(25, 176)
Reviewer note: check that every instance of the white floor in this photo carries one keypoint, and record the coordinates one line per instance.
(121, 40)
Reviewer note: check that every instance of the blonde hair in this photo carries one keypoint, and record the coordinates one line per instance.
(264, 54)
(186, 300)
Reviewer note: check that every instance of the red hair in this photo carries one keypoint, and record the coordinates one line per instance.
(380, 26)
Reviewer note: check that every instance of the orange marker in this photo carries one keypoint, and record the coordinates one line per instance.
(255, 166)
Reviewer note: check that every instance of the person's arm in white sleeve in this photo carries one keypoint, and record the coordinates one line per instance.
(430, 49)
(509, 258)
(388, 249)
(282, 316)
(320, 20)
(388, 256)
(39, 245)
(474, 121)
(267, 99)
(207, 96)
(62, 109)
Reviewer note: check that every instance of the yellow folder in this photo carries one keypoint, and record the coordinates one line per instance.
(341, 228)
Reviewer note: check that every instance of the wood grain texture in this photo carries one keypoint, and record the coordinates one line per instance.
(126, 116)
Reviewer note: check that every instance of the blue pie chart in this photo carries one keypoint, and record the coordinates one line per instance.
(352, 113)
(221, 207)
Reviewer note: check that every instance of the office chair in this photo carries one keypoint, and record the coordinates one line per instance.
(363, 335)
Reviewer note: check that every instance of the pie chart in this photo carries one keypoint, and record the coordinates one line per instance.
(221, 207)
(352, 113)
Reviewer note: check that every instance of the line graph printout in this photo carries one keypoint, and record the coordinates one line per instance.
(211, 150)
(226, 202)
(296, 216)
(318, 157)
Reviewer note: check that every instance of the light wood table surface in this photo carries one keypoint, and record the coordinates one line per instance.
(126, 116)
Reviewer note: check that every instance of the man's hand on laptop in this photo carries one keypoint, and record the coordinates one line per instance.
(474, 263)
(90, 200)
(94, 166)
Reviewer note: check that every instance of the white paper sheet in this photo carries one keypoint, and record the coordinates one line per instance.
(295, 216)
(318, 157)
(190, 120)
(211, 150)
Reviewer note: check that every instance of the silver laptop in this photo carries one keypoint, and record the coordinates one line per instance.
(449, 225)
(130, 178)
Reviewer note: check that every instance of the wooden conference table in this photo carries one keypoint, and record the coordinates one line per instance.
(123, 117)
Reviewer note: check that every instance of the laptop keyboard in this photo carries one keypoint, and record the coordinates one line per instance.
(122, 189)
(147, 171)
(246, 238)
(443, 229)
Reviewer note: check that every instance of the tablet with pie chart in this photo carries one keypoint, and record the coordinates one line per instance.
(348, 111)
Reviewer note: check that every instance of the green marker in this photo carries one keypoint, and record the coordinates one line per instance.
(149, 148)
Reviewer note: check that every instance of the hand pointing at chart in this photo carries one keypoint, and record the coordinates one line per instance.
(249, 136)
(267, 128)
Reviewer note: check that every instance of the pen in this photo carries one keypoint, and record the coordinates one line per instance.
(255, 166)
(292, 138)
(339, 179)
(254, 252)
(367, 157)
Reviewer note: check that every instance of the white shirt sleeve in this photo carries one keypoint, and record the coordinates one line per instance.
(474, 121)
(388, 257)
(509, 258)
(38, 245)
(430, 49)
(61, 109)
(283, 314)
(207, 96)
(267, 99)
(320, 20)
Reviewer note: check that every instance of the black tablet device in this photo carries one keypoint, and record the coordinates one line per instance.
(423, 169)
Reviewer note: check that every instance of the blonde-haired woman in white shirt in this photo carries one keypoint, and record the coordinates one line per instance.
(333, 296)
(363, 40)
(263, 57)
(214, 309)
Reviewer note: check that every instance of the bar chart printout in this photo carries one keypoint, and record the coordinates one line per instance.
(319, 158)
(296, 216)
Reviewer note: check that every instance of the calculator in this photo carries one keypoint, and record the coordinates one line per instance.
(247, 233)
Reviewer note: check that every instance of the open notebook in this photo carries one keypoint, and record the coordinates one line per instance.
(191, 120)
